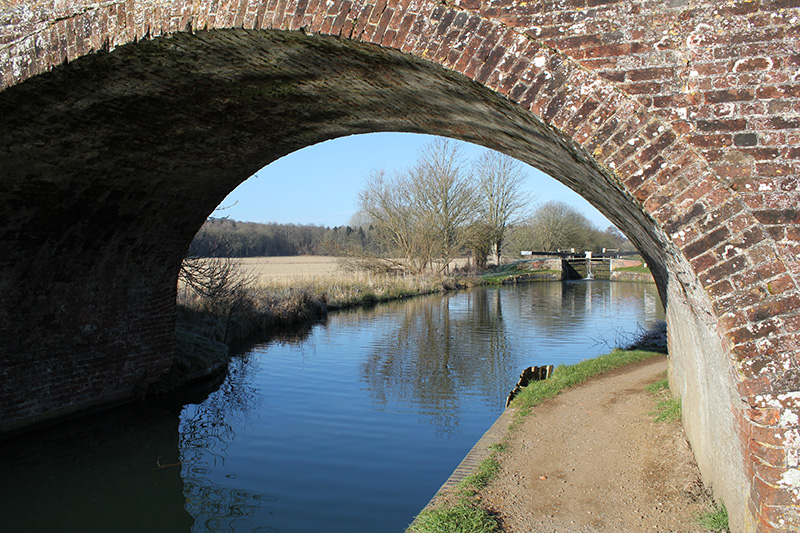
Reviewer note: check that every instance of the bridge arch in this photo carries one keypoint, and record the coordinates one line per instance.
(124, 124)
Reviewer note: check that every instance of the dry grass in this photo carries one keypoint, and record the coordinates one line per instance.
(346, 289)
(341, 287)
(277, 281)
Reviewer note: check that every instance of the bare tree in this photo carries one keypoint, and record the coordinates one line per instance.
(502, 201)
(478, 242)
(219, 281)
(444, 194)
(388, 204)
(557, 225)
(421, 214)
(215, 279)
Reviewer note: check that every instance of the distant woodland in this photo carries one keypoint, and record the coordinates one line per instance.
(221, 237)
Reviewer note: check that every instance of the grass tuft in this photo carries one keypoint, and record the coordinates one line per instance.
(460, 518)
(465, 515)
(715, 519)
(668, 409)
(658, 386)
(485, 472)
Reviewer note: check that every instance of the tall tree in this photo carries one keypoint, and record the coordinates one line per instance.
(388, 204)
(502, 201)
(558, 225)
(422, 213)
(444, 195)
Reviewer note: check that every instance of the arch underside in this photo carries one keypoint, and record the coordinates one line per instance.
(118, 140)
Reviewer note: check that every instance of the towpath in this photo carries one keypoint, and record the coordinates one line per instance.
(593, 460)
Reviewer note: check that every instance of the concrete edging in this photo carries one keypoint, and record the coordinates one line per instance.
(476, 455)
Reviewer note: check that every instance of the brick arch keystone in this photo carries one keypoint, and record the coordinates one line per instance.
(679, 120)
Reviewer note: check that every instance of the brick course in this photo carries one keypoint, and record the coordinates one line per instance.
(680, 120)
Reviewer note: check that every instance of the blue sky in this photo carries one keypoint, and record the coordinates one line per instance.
(320, 184)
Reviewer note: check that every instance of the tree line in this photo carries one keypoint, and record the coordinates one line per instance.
(444, 207)
(557, 226)
(221, 237)
(421, 218)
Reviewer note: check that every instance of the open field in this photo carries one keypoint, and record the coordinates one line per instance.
(309, 271)
(292, 269)
(326, 280)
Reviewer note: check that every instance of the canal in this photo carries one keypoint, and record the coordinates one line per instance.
(348, 426)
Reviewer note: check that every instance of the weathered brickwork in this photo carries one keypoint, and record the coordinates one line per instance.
(679, 119)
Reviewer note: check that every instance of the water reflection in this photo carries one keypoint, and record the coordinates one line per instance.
(350, 426)
(99, 473)
(442, 352)
(438, 349)
(206, 430)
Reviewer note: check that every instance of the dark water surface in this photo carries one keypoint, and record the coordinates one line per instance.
(349, 427)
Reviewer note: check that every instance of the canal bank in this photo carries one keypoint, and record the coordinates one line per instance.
(570, 267)
(536, 468)
(591, 459)
(207, 332)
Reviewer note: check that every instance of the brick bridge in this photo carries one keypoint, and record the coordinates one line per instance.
(123, 123)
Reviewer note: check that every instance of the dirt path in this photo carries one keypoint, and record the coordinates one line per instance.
(593, 460)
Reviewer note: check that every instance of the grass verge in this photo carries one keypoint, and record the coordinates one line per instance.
(461, 511)
(716, 519)
(641, 269)
(458, 518)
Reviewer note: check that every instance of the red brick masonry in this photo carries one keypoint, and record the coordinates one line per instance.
(688, 112)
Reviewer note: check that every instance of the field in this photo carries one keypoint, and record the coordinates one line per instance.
(293, 269)
(308, 271)
(327, 279)
(341, 287)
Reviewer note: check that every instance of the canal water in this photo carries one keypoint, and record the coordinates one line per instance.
(350, 426)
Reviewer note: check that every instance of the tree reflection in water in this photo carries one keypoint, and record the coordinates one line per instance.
(206, 430)
(438, 352)
(355, 429)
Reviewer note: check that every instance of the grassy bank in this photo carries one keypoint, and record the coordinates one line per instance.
(461, 511)
(641, 269)
(350, 289)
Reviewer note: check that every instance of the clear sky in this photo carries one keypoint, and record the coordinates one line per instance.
(320, 184)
